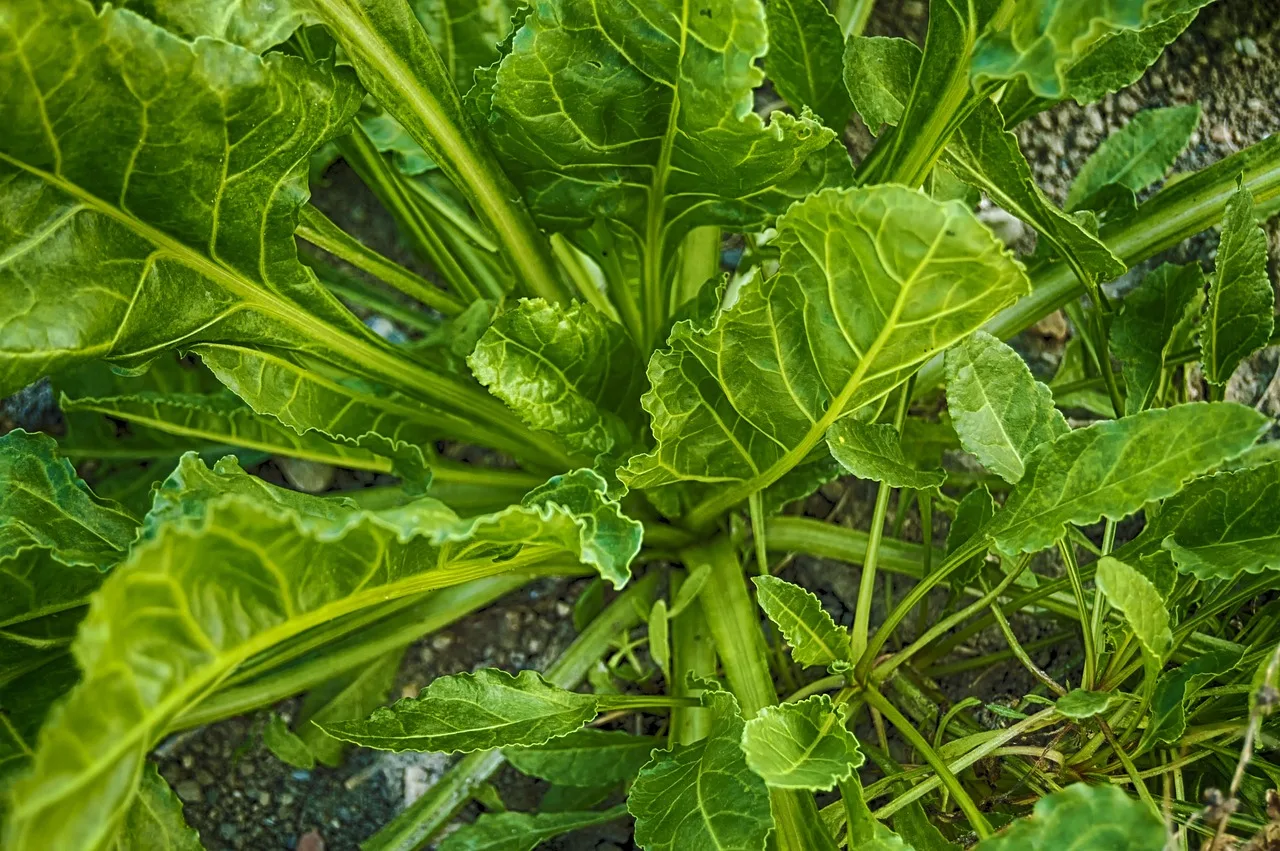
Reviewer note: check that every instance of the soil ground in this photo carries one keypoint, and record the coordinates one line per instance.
(239, 796)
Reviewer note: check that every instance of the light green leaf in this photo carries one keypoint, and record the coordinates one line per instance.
(999, 410)
(1173, 691)
(286, 745)
(805, 58)
(972, 514)
(1073, 368)
(1083, 818)
(1241, 299)
(230, 567)
(351, 695)
(1220, 526)
(1112, 469)
(465, 32)
(1136, 155)
(689, 589)
(1155, 323)
(878, 74)
(1140, 603)
(659, 638)
(1079, 704)
(655, 128)
(1045, 38)
(586, 758)
(568, 371)
(865, 833)
(874, 451)
(513, 831)
(472, 712)
(155, 822)
(703, 795)
(1120, 58)
(255, 25)
(813, 635)
(915, 828)
(802, 355)
(802, 745)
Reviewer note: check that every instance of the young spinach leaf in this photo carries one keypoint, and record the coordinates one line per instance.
(523, 831)
(1083, 818)
(1135, 156)
(1241, 311)
(586, 758)
(802, 745)
(1156, 322)
(814, 637)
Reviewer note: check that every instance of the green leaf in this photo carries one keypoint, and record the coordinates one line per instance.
(874, 451)
(659, 638)
(1155, 323)
(1119, 59)
(915, 828)
(656, 124)
(972, 514)
(35, 672)
(472, 712)
(1074, 368)
(255, 25)
(878, 74)
(805, 58)
(1079, 704)
(568, 371)
(586, 758)
(1175, 689)
(1140, 603)
(864, 832)
(523, 831)
(813, 635)
(703, 795)
(999, 410)
(1136, 155)
(155, 822)
(802, 745)
(689, 589)
(286, 745)
(351, 695)
(465, 32)
(1241, 300)
(1045, 38)
(802, 356)
(1112, 469)
(1083, 818)
(230, 567)
(1220, 526)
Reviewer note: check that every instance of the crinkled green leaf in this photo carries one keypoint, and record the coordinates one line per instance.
(878, 74)
(568, 371)
(286, 745)
(1220, 526)
(1112, 469)
(466, 32)
(472, 712)
(874, 451)
(1155, 323)
(255, 25)
(230, 567)
(999, 410)
(805, 58)
(1079, 704)
(703, 795)
(641, 112)
(155, 822)
(1242, 301)
(513, 831)
(351, 695)
(1136, 155)
(872, 283)
(1083, 818)
(1046, 38)
(1168, 719)
(586, 758)
(1141, 604)
(802, 745)
(813, 635)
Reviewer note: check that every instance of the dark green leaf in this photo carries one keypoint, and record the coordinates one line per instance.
(1136, 155)
(155, 822)
(568, 371)
(586, 758)
(805, 58)
(874, 451)
(1067, 392)
(472, 712)
(814, 637)
(801, 745)
(1112, 469)
(286, 745)
(1141, 604)
(466, 32)
(351, 695)
(523, 831)
(803, 357)
(703, 795)
(1155, 323)
(1174, 689)
(864, 832)
(999, 410)
(1241, 300)
(1083, 818)
(921, 834)
(878, 74)
(972, 514)
(1079, 704)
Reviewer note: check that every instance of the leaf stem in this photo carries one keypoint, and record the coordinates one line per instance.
(1086, 630)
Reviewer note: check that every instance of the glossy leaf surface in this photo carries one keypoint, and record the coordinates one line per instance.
(813, 635)
(802, 745)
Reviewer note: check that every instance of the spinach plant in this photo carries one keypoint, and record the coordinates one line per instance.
(587, 385)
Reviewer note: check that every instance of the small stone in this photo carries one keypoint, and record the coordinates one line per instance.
(1221, 134)
(311, 841)
(1095, 120)
(563, 609)
(1057, 147)
(1247, 47)
(1255, 104)
(188, 790)
(264, 799)
(188, 761)
(286, 799)
(513, 621)
(1127, 103)
(443, 641)
(227, 831)
(1045, 120)
(246, 769)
